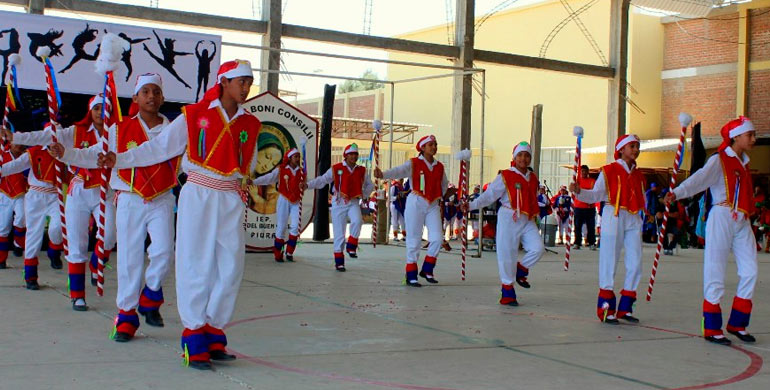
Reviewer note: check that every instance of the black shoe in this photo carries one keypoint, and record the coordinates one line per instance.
(718, 340)
(3, 266)
(340, 268)
(33, 285)
(279, 260)
(523, 282)
(203, 365)
(289, 257)
(576, 247)
(153, 318)
(18, 252)
(630, 318)
(79, 307)
(94, 280)
(56, 263)
(353, 255)
(221, 356)
(745, 337)
(413, 283)
(611, 321)
(429, 278)
(122, 337)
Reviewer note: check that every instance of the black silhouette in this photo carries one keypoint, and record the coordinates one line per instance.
(37, 40)
(126, 58)
(79, 44)
(167, 61)
(14, 46)
(204, 67)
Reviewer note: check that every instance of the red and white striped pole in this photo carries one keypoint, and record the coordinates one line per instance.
(462, 188)
(684, 121)
(577, 131)
(376, 146)
(53, 112)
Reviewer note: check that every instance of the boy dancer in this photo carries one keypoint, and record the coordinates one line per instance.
(423, 206)
(516, 187)
(350, 182)
(728, 178)
(397, 206)
(12, 190)
(622, 186)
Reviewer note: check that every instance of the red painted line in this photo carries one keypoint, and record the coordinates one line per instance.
(753, 368)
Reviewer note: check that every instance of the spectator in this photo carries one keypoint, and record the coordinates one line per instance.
(585, 213)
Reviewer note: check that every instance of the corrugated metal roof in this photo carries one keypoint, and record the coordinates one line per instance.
(696, 8)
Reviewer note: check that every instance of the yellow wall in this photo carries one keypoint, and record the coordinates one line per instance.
(645, 64)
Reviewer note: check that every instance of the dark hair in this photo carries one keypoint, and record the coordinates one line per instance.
(584, 167)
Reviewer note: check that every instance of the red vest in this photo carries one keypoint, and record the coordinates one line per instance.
(43, 166)
(733, 169)
(288, 183)
(346, 183)
(151, 181)
(586, 184)
(84, 139)
(519, 189)
(223, 148)
(625, 190)
(14, 185)
(427, 183)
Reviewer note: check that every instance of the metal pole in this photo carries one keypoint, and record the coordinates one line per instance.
(481, 163)
(392, 99)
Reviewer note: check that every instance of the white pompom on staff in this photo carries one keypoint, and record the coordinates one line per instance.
(577, 131)
(462, 188)
(110, 54)
(684, 120)
(377, 125)
(11, 104)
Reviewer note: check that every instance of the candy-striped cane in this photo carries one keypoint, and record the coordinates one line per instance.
(376, 147)
(303, 142)
(53, 112)
(462, 193)
(684, 120)
(577, 131)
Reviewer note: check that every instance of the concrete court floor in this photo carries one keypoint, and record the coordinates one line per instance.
(304, 326)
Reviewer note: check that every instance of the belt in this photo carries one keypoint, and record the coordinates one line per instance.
(45, 190)
(214, 184)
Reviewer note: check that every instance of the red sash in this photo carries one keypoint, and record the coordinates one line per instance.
(519, 189)
(427, 183)
(151, 181)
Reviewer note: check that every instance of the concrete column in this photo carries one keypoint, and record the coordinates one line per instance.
(741, 106)
(271, 60)
(462, 96)
(616, 102)
(36, 7)
(536, 137)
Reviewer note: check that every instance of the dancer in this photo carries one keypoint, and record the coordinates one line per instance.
(13, 187)
(397, 206)
(204, 66)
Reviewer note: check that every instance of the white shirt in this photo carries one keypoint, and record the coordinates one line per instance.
(172, 142)
(711, 177)
(405, 171)
(272, 177)
(328, 178)
(65, 136)
(599, 192)
(86, 158)
(496, 190)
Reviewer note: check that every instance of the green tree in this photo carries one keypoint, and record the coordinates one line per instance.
(358, 85)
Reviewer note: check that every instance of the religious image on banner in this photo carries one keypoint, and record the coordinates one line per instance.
(186, 61)
(283, 127)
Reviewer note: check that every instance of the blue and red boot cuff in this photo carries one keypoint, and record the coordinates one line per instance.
(521, 272)
(195, 344)
(712, 319)
(605, 305)
(339, 259)
(5, 246)
(19, 236)
(150, 300)
(127, 322)
(428, 265)
(351, 245)
(740, 315)
(77, 280)
(215, 337)
(30, 269)
(626, 305)
(54, 250)
(291, 243)
(278, 248)
(411, 271)
(508, 294)
(94, 263)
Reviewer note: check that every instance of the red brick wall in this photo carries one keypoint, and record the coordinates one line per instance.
(361, 107)
(339, 108)
(709, 99)
(759, 29)
(309, 108)
(759, 100)
(683, 50)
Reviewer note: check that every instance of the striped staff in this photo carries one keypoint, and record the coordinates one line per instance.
(684, 120)
(302, 142)
(462, 193)
(577, 131)
(377, 124)
(112, 48)
(54, 101)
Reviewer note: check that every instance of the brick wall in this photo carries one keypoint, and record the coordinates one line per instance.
(309, 108)
(683, 50)
(361, 107)
(760, 34)
(709, 99)
(759, 100)
(339, 108)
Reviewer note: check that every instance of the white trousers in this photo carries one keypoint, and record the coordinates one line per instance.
(396, 219)
(37, 206)
(210, 248)
(419, 213)
(11, 214)
(341, 212)
(134, 220)
(286, 213)
(81, 204)
(450, 223)
(509, 235)
(724, 234)
(563, 225)
(623, 232)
